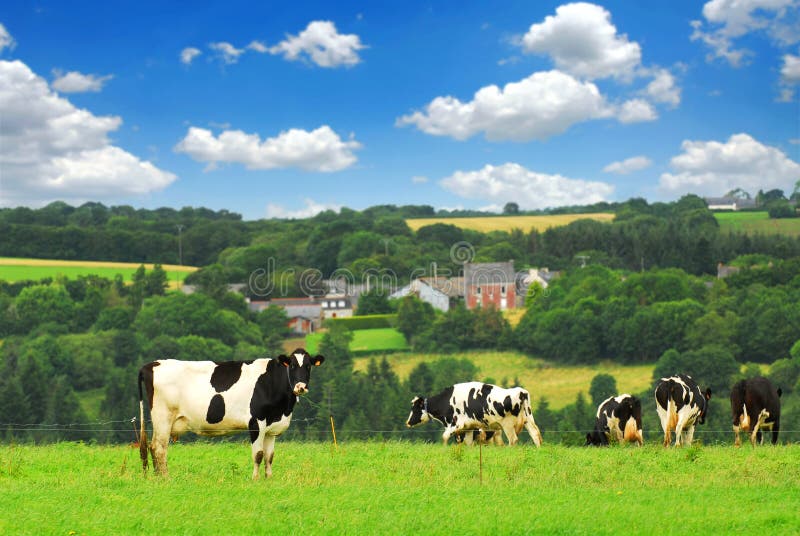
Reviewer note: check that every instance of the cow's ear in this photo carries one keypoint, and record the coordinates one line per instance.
(318, 360)
(708, 393)
(283, 360)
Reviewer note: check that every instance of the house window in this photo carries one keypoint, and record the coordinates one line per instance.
(503, 289)
(478, 291)
(341, 303)
(324, 305)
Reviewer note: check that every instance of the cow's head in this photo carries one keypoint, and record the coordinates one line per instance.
(419, 412)
(299, 365)
(704, 406)
(596, 438)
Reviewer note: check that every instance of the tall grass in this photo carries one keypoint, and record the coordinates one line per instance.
(401, 488)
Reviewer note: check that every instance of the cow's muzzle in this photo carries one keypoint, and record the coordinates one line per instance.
(300, 389)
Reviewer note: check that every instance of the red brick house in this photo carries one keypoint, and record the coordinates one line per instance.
(490, 283)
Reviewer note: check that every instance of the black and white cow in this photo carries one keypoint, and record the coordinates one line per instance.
(477, 406)
(756, 405)
(680, 405)
(212, 399)
(619, 419)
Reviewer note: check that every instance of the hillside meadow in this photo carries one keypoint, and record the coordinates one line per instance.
(508, 223)
(757, 223)
(401, 488)
(15, 269)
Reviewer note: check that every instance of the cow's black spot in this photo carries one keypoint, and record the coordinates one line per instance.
(498, 408)
(225, 375)
(216, 410)
(507, 404)
(253, 427)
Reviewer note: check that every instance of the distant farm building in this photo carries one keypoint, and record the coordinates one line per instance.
(440, 292)
(491, 283)
(305, 314)
(729, 203)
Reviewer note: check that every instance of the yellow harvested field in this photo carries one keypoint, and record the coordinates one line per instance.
(9, 261)
(508, 223)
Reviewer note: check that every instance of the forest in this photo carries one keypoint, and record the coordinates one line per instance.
(648, 294)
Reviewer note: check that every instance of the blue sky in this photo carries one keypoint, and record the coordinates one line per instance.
(275, 109)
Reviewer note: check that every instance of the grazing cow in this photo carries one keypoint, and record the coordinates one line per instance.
(619, 419)
(680, 405)
(756, 405)
(212, 399)
(477, 406)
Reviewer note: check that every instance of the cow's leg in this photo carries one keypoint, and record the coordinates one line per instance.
(756, 434)
(775, 428)
(689, 435)
(533, 430)
(257, 433)
(663, 417)
(448, 431)
(162, 430)
(510, 430)
(737, 442)
(679, 430)
(269, 454)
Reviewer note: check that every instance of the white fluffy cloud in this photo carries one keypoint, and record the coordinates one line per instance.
(322, 44)
(636, 111)
(663, 89)
(713, 168)
(6, 41)
(728, 20)
(531, 190)
(629, 165)
(75, 82)
(188, 55)
(538, 107)
(582, 41)
(311, 208)
(318, 150)
(226, 52)
(49, 149)
(790, 71)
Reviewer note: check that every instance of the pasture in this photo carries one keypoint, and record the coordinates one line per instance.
(757, 223)
(13, 269)
(366, 341)
(398, 487)
(560, 384)
(508, 223)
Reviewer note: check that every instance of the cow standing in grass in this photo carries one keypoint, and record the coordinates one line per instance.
(477, 406)
(680, 404)
(756, 405)
(619, 419)
(213, 399)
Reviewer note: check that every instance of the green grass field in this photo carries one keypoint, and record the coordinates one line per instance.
(12, 269)
(757, 222)
(507, 223)
(560, 384)
(366, 340)
(401, 488)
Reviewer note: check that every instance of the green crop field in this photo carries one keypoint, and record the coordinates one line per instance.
(366, 340)
(507, 223)
(757, 223)
(12, 269)
(401, 488)
(560, 384)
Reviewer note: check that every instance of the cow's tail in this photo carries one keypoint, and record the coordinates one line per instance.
(530, 424)
(142, 427)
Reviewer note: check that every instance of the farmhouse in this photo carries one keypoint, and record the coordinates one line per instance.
(305, 314)
(491, 283)
(440, 292)
(729, 203)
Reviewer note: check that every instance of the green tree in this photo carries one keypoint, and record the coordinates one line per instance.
(602, 387)
(710, 366)
(413, 316)
(39, 304)
(511, 208)
(273, 322)
(136, 291)
(374, 302)
(156, 282)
